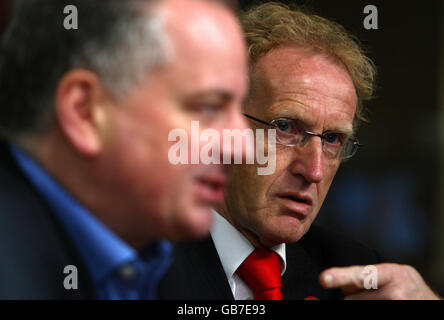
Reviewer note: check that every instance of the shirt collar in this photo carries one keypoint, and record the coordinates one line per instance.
(233, 248)
(101, 249)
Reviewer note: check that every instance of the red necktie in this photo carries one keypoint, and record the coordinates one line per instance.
(261, 271)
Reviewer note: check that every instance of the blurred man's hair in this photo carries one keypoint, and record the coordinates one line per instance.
(119, 40)
(273, 24)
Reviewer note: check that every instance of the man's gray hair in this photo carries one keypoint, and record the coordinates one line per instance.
(118, 40)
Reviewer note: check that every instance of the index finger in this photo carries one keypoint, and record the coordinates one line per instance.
(355, 278)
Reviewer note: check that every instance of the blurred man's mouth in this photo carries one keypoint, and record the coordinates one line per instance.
(210, 186)
(297, 203)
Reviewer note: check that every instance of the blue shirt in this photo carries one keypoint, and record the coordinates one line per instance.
(117, 270)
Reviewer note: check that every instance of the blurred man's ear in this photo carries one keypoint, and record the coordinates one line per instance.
(80, 100)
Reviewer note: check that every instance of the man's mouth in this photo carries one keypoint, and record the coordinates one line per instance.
(298, 203)
(210, 187)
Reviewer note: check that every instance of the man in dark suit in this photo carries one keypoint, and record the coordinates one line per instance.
(197, 272)
(89, 91)
(308, 81)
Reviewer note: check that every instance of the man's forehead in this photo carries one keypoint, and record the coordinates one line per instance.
(299, 83)
(208, 51)
(290, 66)
(290, 69)
(198, 25)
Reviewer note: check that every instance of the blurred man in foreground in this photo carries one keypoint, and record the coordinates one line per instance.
(86, 188)
(308, 81)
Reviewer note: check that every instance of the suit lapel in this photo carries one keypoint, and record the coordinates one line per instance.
(213, 279)
(34, 247)
(301, 277)
(300, 272)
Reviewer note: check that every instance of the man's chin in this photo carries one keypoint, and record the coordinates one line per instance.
(194, 226)
(288, 235)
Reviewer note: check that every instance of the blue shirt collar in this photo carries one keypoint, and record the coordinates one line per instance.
(102, 251)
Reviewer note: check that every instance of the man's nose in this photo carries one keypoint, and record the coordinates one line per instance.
(237, 122)
(310, 161)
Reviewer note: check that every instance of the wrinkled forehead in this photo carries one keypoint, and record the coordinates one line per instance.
(290, 67)
(290, 71)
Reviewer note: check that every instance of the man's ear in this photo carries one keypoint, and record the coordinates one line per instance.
(80, 99)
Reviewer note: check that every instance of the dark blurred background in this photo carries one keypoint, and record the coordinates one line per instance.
(391, 195)
(4, 14)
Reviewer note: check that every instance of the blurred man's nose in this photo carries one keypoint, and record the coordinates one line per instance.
(310, 160)
(238, 124)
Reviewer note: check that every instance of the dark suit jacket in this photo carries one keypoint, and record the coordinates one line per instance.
(197, 273)
(34, 249)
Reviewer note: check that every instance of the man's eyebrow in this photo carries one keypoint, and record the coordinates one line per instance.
(220, 94)
(288, 114)
(303, 121)
(342, 130)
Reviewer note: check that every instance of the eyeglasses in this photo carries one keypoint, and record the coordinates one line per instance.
(290, 133)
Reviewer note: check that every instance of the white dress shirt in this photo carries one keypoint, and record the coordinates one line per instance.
(233, 248)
